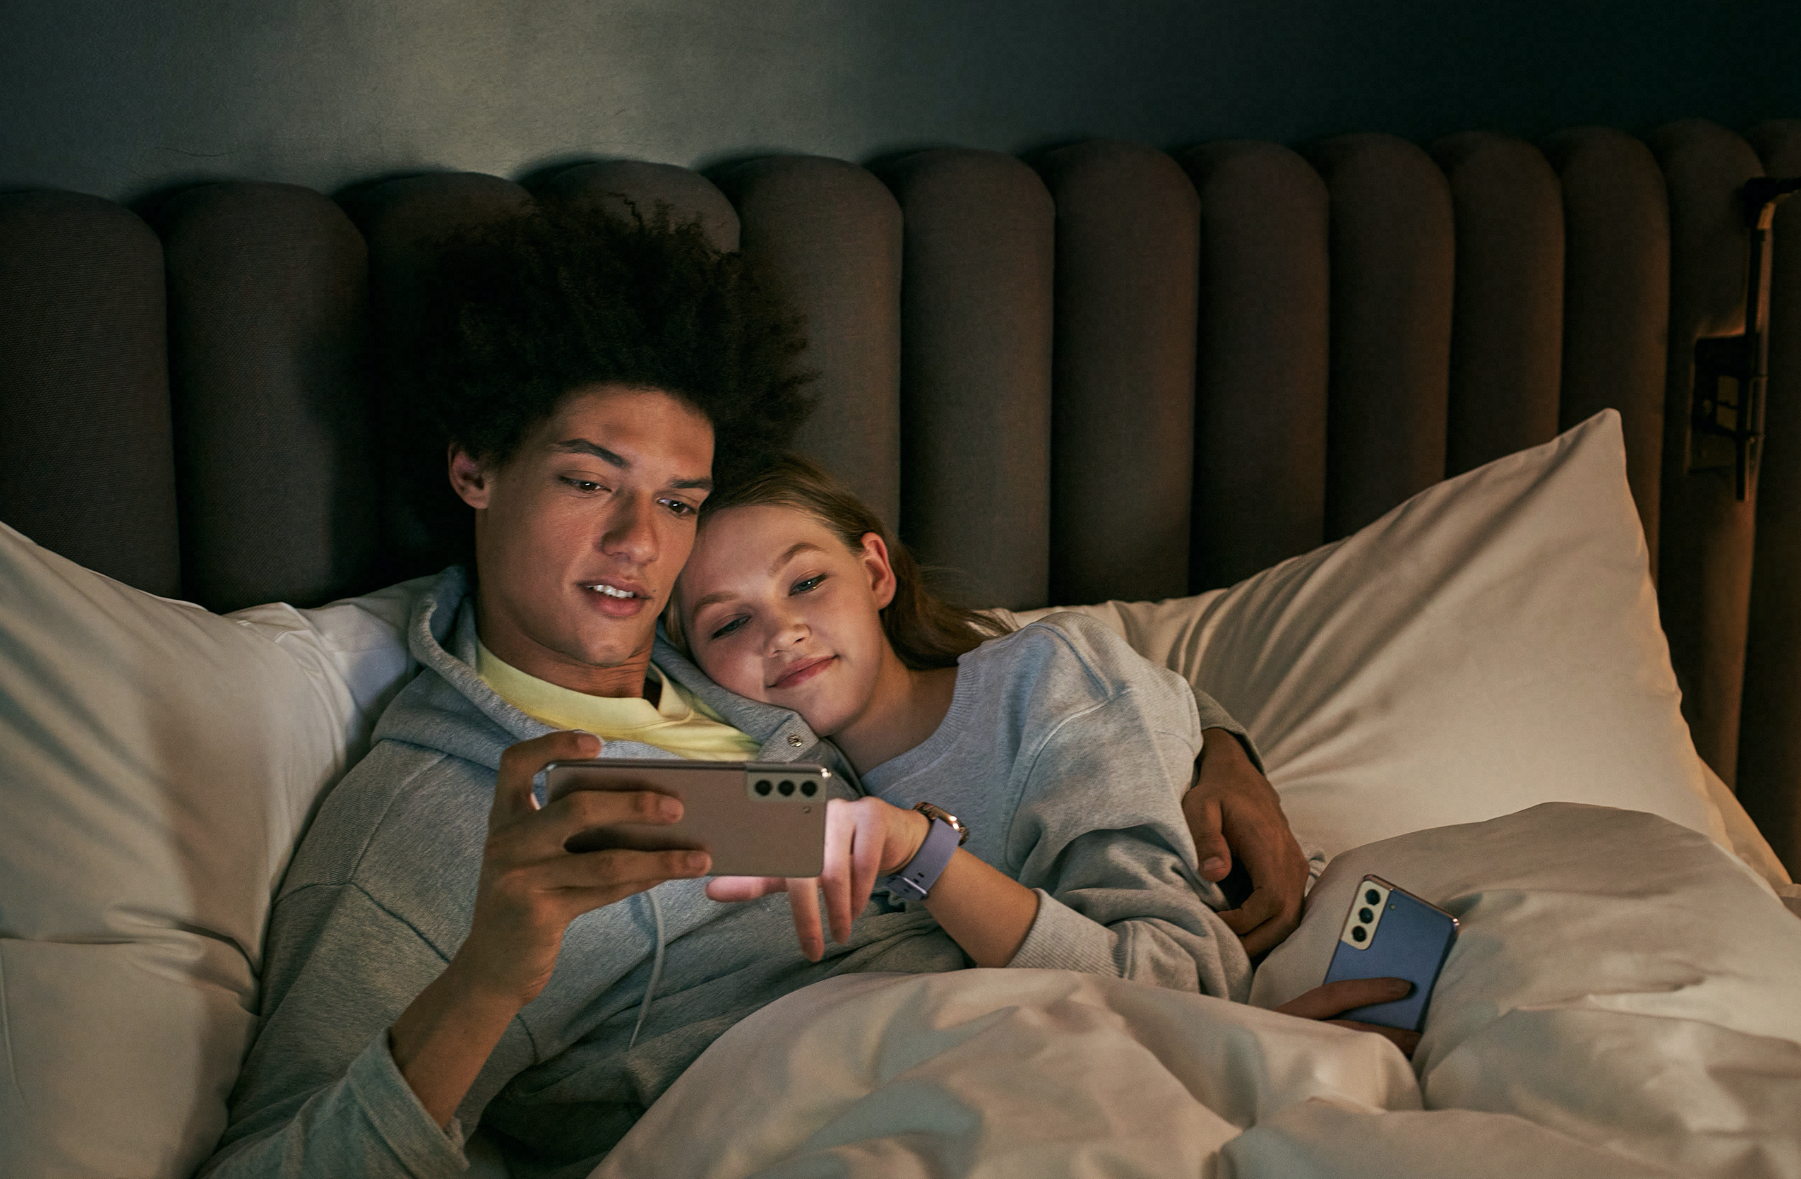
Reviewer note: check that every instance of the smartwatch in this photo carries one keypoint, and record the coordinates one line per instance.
(914, 879)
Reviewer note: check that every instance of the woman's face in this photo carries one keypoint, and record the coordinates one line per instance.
(777, 609)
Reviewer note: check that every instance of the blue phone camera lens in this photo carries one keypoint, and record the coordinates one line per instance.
(1358, 933)
(1365, 915)
(1372, 897)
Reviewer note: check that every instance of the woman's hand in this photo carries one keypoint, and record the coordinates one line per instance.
(1338, 997)
(864, 840)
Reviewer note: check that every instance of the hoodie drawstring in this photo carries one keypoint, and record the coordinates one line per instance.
(656, 967)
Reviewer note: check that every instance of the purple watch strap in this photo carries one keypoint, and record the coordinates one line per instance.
(917, 876)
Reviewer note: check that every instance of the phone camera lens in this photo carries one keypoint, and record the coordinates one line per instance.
(1372, 897)
(1365, 915)
(764, 787)
(809, 788)
(786, 788)
(1358, 933)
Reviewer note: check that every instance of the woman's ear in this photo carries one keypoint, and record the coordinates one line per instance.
(874, 559)
(469, 477)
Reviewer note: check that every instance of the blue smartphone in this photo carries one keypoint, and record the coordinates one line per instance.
(1390, 933)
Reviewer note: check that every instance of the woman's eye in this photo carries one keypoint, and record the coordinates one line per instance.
(729, 627)
(808, 584)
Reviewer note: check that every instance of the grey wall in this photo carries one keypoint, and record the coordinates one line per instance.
(127, 97)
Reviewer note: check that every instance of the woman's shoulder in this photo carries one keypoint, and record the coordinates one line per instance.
(1076, 642)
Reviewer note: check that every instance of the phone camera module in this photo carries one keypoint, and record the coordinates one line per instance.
(809, 788)
(1359, 934)
(786, 788)
(764, 787)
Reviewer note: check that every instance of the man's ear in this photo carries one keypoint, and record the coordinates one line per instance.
(470, 478)
(874, 559)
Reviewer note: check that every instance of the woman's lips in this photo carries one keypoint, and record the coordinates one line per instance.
(801, 672)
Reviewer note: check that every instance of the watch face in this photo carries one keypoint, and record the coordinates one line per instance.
(937, 812)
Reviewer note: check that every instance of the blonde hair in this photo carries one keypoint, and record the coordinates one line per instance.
(924, 630)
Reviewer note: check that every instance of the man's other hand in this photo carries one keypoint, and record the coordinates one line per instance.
(1233, 810)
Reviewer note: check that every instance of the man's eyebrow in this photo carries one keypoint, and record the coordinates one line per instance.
(583, 446)
(726, 595)
(611, 458)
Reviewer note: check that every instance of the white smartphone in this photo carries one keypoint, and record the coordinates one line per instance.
(753, 818)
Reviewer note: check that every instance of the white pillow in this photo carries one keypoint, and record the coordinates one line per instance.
(1616, 978)
(157, 764)
(1491, 644)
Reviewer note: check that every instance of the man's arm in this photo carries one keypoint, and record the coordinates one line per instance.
(374, 1039)
(531, 889)
(1232, 808)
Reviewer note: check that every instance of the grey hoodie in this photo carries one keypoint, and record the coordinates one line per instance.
(381, 894)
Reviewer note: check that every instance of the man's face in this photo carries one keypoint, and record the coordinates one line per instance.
(580, 535)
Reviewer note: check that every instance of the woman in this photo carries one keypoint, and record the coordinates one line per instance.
(1024, 787)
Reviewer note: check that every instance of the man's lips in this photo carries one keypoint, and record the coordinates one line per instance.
(616, 598)
(799, 673)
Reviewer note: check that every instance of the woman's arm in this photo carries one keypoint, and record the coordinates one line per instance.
(985, 912)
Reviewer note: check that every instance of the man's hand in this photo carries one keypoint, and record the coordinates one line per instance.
(1233, 808)
(1335, 998)
(530, 889)
(864, 840)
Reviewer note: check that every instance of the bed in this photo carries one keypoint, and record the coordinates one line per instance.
(1387, 448)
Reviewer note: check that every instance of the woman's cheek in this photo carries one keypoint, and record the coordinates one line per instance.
(742, 675)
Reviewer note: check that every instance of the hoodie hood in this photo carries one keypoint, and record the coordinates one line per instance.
(454, 711)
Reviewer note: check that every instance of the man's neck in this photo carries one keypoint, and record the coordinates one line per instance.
(511, 646)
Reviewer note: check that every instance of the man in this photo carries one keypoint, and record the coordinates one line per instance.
(435, 955)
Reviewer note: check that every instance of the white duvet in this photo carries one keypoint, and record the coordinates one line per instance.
(1624, 999)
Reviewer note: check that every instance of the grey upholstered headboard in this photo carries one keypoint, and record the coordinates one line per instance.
(1115, 373)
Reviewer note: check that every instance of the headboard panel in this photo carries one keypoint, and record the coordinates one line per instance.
(1260, 426)
(1122, 436)
(831, 232)
(86, 451)
(1507, 320)
(1769, 758)
(1704, 558)
(268, 323)
(1391, 262)
(1616, 297)
(976, 370)
(1119, 375)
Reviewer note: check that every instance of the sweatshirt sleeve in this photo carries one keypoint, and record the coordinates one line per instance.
(1117, 886)
(320, 1094)
(1213, 715)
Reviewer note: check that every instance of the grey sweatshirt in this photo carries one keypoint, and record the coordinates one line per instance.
(382, 890)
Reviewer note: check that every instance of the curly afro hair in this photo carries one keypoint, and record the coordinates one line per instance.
(512, 316)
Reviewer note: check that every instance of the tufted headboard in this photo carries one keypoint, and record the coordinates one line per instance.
(1111, 372)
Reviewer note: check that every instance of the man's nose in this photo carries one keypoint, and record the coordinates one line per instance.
(630, 532)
